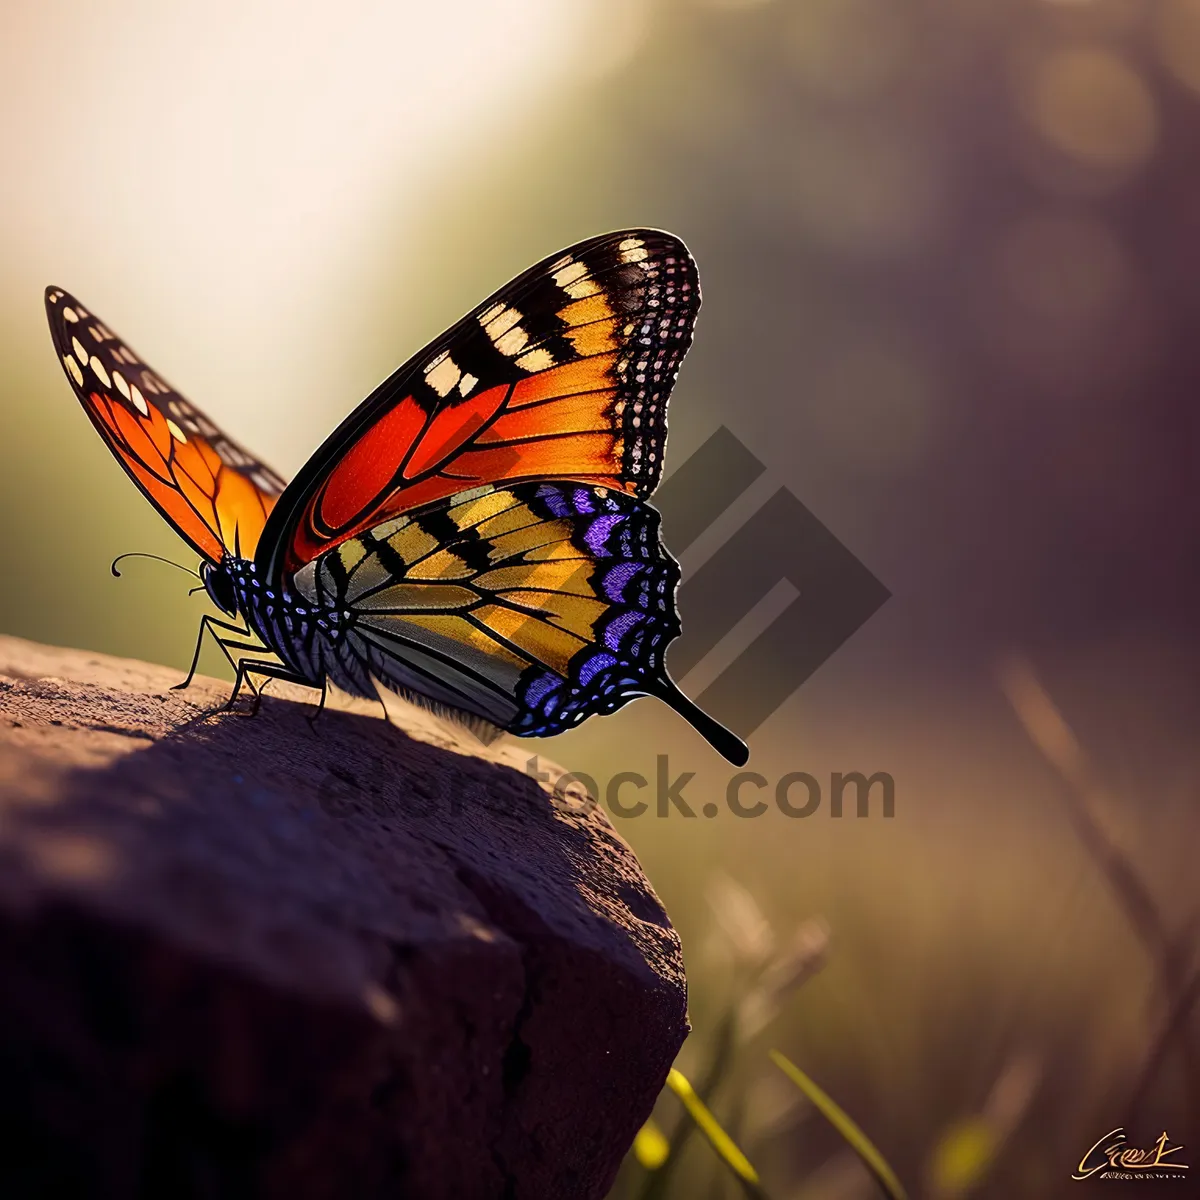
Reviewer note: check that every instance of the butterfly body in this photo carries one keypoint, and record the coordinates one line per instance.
(306, 638)
(476, 534)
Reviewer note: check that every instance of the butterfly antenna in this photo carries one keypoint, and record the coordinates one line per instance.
(156, 558)
(724, 741)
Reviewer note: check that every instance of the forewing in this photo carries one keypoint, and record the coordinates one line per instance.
(532, 605)
(562, 374)
(216, 495)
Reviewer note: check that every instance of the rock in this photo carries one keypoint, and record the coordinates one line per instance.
(249, 958)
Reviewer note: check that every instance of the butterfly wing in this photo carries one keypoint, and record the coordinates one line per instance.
(216, 495)
(564, 373)
(531, 605)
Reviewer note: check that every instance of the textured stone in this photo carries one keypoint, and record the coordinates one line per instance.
(246, 957)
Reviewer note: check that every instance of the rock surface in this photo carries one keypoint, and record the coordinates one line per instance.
(249, 958)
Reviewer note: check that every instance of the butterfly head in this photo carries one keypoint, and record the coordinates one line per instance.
(219, 585)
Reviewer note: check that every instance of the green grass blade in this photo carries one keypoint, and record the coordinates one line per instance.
(851, 1134)
(720, 1141)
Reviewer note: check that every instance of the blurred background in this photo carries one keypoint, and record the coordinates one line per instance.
(951, 260)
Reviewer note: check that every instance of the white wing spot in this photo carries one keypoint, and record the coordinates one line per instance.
(499, 320)
(513, 342)
(139, 401)
(466, 383)
(72, 366)
(101, 373)
(633, 250)
(69, 315)
(442, 374)
(570, 273)
(175, 431)
(536, 360)
(80, 352)
(581, 288)
(121, 385)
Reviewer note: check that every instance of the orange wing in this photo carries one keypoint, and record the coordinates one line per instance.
(215, 494)
(562, 374)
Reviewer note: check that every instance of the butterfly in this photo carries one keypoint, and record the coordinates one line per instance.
(476, 534)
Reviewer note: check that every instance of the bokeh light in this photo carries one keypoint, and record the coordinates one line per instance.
(1090, 105)
(1177, 38)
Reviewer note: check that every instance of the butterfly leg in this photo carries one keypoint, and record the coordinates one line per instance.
(209, 624)
(235, 663)
(268, 670)
(312, 721)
